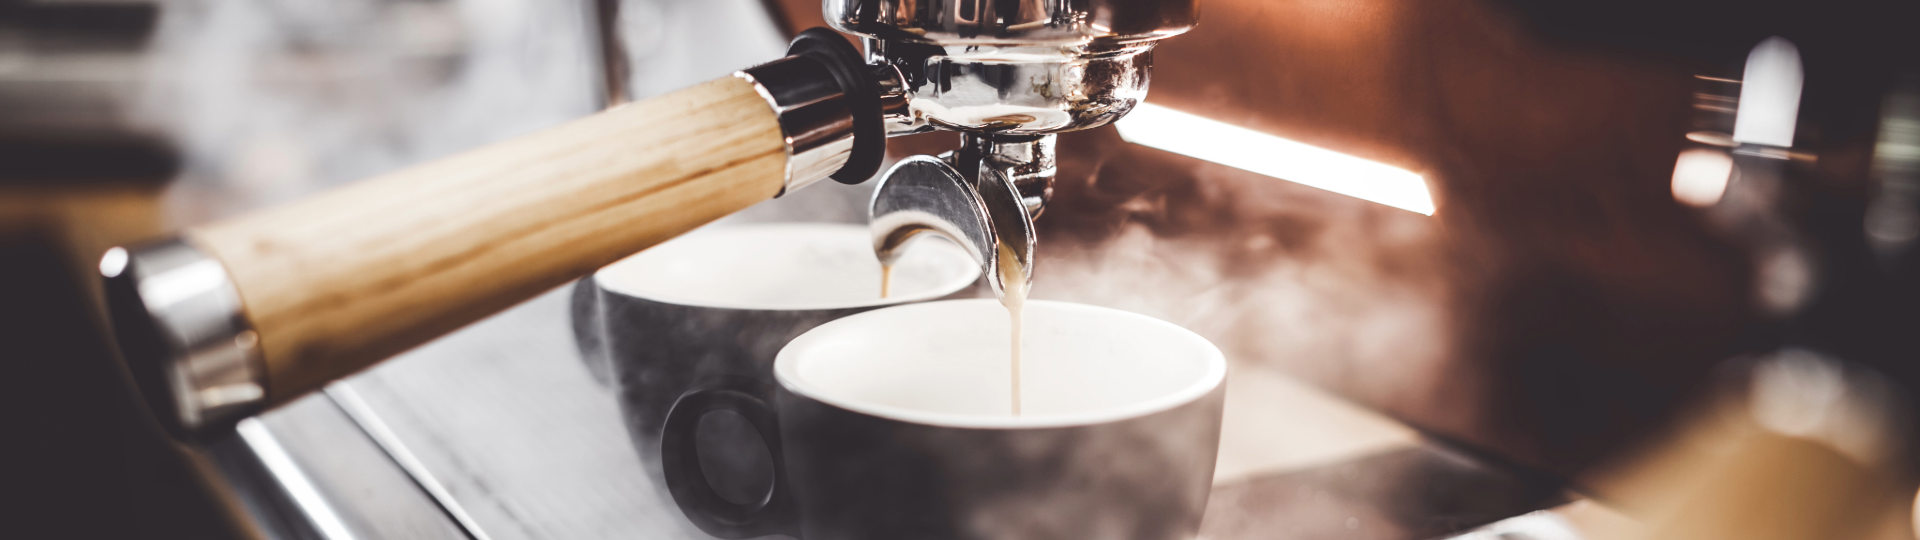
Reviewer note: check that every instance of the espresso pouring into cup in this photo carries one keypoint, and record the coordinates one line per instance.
(231, 318)
(1122, 424)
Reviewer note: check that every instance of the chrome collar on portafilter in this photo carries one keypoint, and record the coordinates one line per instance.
(1009, 75)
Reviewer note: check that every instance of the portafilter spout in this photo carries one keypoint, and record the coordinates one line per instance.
(981, 212)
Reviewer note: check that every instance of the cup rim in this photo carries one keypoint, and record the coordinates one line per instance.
(1213, 378)
(946, 250)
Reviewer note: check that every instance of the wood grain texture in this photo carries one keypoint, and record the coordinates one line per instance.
(340, 281)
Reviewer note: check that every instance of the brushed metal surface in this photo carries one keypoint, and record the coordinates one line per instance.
(369, 494)
(307, 471)
(506, 417)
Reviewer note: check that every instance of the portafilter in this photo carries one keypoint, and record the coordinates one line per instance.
(228, 319)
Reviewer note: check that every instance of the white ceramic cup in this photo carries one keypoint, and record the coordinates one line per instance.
(897, 423)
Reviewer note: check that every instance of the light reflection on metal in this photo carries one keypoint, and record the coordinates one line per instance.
(1736, 168)
(1009, 74)
(1893, 217)
(1016, 67)
(1712, 138)
(983, 214)
(305, 495)
(1100, 24)
(1785, 276)
(1011, 89)
(1769, 95)
(1705, 166)
(1241, 148)
(1700, 176)
(113, 262)
(1537, 525)
(816, 120)
(370, 423)
(1026, 161)
(202, 364)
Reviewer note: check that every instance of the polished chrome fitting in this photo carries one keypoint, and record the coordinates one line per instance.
(983, 196)
(981, 212)
(828, 106)
(1023, 67)
(815, 120)
(184, 334)
(1025, 160)
(1021, 90)
(1009, 75)
(1092, 23)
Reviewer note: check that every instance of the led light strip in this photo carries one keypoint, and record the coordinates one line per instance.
(1245, 149)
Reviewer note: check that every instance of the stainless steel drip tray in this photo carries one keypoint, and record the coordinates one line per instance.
(500, 432)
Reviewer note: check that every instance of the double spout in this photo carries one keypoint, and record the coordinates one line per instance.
(983, 196)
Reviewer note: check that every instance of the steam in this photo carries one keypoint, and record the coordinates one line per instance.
(275, 99)
(1339, 291)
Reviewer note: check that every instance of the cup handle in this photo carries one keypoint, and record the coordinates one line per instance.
(750, 399)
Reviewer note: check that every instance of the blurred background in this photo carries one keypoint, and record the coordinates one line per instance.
(1615, 312)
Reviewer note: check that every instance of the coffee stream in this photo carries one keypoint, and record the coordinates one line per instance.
(1013, 295)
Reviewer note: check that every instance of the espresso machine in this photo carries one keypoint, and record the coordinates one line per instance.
(232, 318)
(1552, 315)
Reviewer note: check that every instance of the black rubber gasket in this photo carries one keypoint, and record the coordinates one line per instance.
(863, 99)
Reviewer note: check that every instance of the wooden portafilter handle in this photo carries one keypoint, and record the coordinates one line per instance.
(232, 318)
